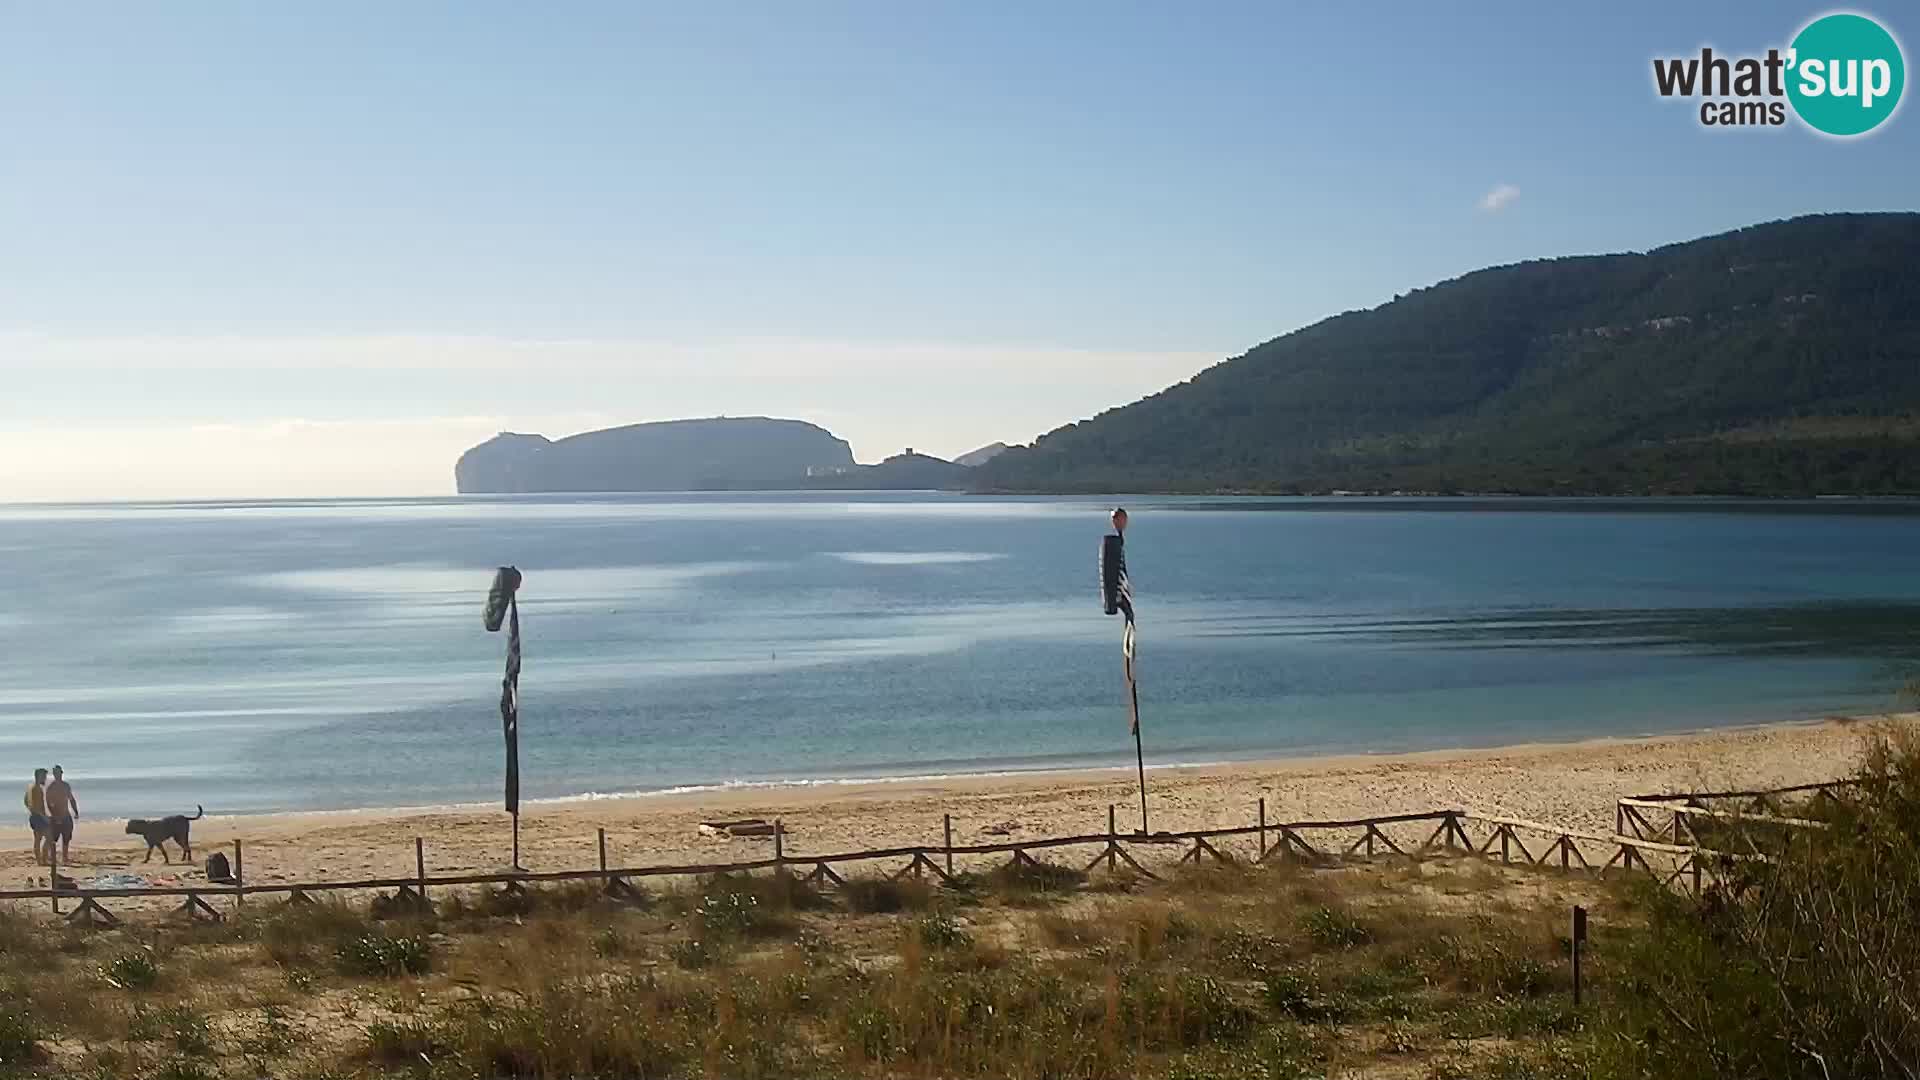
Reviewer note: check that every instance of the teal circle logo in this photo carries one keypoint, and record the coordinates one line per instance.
(1846, 74)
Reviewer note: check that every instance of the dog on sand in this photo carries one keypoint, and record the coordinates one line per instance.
(158, 831)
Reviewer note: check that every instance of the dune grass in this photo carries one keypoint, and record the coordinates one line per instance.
(1452, 970)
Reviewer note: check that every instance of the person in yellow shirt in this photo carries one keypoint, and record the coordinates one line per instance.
(37, 813)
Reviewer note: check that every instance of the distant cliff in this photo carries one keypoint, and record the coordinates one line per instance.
(720, 454)
(901, 472)
(975, 458)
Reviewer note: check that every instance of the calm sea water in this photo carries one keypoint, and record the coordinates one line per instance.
(274, 656)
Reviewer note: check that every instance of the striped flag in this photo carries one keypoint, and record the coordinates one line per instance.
(1117, 595)
(503, 605)
(510, 706)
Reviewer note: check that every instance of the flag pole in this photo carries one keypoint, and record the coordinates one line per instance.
(513, 727)
(1139, 755)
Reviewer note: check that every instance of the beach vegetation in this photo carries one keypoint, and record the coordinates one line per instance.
(383, 954)
(1796, 966)
(136, 969)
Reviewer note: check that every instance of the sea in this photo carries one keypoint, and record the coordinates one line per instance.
(300, 655)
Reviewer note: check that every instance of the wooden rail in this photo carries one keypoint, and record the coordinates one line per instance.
(1759, 807)
(1508, 840)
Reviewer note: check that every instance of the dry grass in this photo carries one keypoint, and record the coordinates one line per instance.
(1029, 971)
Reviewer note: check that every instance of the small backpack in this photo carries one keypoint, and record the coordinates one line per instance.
(217, 868)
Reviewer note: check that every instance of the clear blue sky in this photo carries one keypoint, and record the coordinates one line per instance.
(248, 248)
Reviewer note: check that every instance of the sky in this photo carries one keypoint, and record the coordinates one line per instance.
(314, 250)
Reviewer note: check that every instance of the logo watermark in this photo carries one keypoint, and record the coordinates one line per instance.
(1842, 75)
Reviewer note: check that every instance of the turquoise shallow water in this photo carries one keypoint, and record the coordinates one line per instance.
(273, 656)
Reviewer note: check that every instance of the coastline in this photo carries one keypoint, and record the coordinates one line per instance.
(1570, 784)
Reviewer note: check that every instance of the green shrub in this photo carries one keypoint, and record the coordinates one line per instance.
(1208, 1011)
(1802, 965)
(379, 954)
(136, 970)
(738, 906)
(727, 915)
(694, 953)
(1298, 994)
(941, 931)
(1335, 928)
(303, 935)
(189, 1031)
(19, 1038)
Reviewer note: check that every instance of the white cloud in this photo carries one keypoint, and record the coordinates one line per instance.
(1501, 197)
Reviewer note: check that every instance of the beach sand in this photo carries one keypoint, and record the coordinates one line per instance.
(1572, 785)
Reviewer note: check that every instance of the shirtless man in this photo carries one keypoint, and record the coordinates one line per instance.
(62, 808)
(37, 814)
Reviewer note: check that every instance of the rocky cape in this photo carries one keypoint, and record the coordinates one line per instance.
(753, 453)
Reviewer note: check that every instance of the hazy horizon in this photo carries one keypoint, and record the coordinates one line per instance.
(257, 253)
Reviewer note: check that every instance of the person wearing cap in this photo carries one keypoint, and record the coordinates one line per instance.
(62, 808)
(37, 814)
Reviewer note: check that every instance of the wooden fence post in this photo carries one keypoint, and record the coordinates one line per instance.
(779, 847)
(1579, 940)
(1263, 827)
(420, 866)
(603, 855)
(239, 873)
(946, 821)
(1113, 842)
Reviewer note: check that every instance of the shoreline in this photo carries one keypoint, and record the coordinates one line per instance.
(1568, 784)
(827, 789)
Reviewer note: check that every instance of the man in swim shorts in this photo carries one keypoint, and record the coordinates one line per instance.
(62, 808)
(37, 813)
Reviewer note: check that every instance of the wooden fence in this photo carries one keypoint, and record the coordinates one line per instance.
(1435, 833)
(1758, 809)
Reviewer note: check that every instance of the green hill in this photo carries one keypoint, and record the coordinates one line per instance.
(1778, 359)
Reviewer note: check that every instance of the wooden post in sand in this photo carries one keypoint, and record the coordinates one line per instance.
(1263, 826)
(947, 822)
(1113, 841)
(420, 867)
(779, 847)
(603, 855)
(239, 874)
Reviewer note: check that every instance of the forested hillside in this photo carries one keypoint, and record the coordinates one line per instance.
(1778, 359)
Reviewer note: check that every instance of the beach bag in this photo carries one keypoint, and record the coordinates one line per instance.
(218, 869)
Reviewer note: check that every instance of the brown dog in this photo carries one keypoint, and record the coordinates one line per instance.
(173, 827)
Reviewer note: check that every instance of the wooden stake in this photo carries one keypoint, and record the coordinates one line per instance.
(239, 873)
(779, 847)
(1263, 825)
(420, 866)
(1579, 940)
(947, 821)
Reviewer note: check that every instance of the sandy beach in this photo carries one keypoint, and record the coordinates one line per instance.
(1568, 784)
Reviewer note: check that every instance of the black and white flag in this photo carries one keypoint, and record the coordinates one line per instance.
(503, 604)
(1117, 594)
